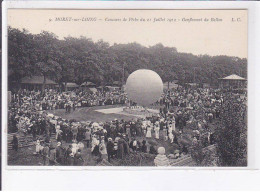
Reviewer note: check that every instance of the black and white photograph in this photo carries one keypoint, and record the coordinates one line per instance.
(127, 88)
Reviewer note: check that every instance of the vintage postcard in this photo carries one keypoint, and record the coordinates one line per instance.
(127, 88)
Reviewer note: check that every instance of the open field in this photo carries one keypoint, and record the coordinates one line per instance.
(90, 114)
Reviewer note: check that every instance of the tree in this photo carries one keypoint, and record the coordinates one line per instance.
(231, 134)
(20, 54)
(47, 69)
(48, 54)
(81, 59)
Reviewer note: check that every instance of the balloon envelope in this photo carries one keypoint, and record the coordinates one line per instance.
(144, 87)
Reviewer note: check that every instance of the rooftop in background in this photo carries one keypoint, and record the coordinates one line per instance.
(233, 77)
(117, 83)
(171, 85)
(88, 84)
(37, 80)
(71, 85)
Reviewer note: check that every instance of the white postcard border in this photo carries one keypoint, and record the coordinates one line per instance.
(10, 173)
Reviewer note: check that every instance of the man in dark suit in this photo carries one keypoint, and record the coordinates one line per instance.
(110, 149)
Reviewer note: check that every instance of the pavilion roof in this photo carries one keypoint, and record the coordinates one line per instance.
(233, 77)
(71, 85)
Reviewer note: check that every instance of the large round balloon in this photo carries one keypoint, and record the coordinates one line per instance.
(144, 87)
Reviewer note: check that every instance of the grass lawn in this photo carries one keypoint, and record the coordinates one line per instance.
(89, 114)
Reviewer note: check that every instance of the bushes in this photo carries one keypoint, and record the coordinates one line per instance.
(203, 156)
(231, 134)
(197, 153)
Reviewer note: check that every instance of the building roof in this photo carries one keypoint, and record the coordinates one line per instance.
(116, 83)
(192, 84)
(37, 80)
(171, 85)
(233, 77)
(71, 85)
(88, 84)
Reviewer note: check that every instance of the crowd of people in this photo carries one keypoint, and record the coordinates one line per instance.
(181, 110)
(25, 104)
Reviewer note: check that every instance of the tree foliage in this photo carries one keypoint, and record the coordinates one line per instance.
(80, 59)
(203, 156)
(232, 134)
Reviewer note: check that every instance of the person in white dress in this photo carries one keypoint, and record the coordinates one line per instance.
(157, 130)
(170, 128)
(149, 131)
(144, 127)
(171, 137)
(173, 124)
(38, 146)
(58, 131)
(81, 145)
(74, 148)
(103, 150)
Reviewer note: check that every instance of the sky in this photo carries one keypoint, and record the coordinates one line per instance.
(225, 34)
